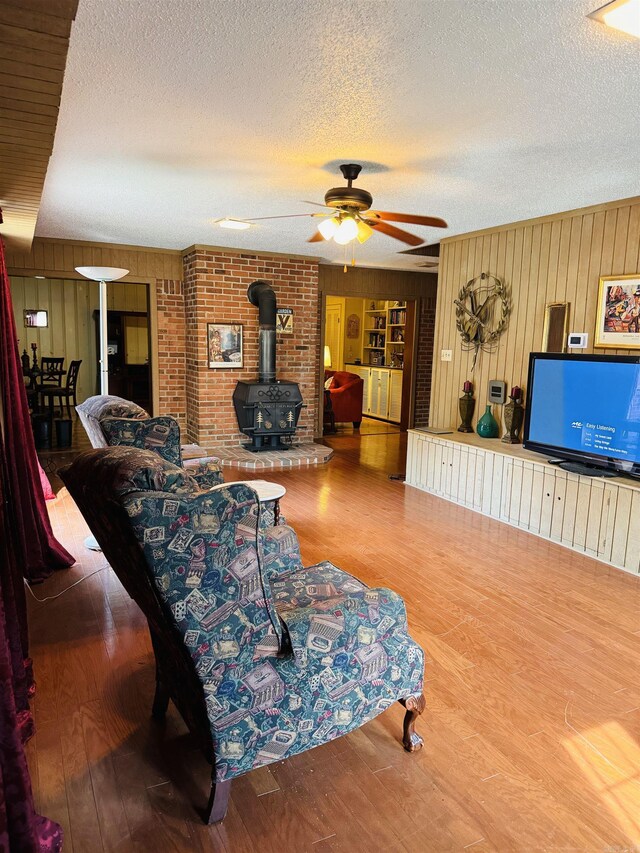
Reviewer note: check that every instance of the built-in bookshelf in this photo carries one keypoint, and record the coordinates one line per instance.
(375, 332)
(384, 328)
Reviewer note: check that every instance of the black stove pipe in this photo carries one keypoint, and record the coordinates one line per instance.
(261, 294)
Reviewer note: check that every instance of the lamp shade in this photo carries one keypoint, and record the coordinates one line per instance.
(346, 232)
(327, 357)
(102, 273)
(328, 227)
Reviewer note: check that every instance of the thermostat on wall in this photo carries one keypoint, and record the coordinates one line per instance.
(497, 392)
(577, 340)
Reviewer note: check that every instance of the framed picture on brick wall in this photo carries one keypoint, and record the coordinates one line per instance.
(224, 345)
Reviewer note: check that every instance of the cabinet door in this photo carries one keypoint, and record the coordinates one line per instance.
(435, 469)
(583, 499)
(366, 390)
(453, 455)
(515, 495)
(597, 515)
(383, 399)
(413, 460)
(379, 392)
(546, 511)
(364, 374)
(557, 512)
(608, 521)
(505, 497)
(374, 392)
(536, 502)
(477, 492)
(570, 509)
(632, 558)
(620, 527)
(498, 475)
(395, 395)
(524, 514)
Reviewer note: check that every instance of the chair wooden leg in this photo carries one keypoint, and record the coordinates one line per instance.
(160, 701)
(218, 802)
(415, 705)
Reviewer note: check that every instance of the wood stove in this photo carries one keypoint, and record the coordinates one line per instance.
(267, 410)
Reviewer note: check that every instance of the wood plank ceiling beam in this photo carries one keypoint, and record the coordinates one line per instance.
(34, 41)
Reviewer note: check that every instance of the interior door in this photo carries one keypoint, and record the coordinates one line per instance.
(333, 336)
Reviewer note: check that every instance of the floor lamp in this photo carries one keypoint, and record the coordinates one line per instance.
(102, 275)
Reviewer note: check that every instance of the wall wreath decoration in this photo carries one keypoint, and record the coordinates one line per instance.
(483, 308)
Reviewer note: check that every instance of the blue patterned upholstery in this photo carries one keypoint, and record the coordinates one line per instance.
(283, 658)
(161, 435)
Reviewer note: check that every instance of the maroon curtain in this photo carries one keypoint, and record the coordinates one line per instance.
(43, 553)
(21, 829)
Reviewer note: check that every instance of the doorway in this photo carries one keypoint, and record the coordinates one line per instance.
(374, 339)
(333, 333)
(69, 305)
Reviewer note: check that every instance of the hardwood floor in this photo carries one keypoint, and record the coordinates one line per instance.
(532, 726)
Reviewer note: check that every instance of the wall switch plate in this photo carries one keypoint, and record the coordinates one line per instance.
(578, 340)
(497, 391)
(446, 355)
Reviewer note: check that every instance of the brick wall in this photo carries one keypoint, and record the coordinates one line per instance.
(171, 349)
(424, 361)
(215, 291)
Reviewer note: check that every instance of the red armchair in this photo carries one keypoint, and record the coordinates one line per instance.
(346, 392)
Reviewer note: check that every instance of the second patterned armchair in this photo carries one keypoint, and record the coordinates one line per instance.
(110, 420)
(263, 658)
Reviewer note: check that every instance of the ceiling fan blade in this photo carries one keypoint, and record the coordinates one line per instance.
(397, 233)
(316, 238)
(315, 204)
(283, 216)
(414, 219)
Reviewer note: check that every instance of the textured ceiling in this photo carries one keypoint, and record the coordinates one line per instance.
(177, 112)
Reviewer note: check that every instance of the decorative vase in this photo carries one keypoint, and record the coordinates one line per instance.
(467, 406)
(488, 425)
(513, 417)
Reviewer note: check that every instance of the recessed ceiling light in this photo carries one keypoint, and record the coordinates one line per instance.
(235, 224)
(623, 15)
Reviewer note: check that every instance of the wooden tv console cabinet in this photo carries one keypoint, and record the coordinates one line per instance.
(598, 517)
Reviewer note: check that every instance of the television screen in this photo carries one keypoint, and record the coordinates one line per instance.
(586, 408)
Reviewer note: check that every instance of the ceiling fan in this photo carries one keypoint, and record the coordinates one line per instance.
(350, 216)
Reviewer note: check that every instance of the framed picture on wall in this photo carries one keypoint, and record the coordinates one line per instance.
(224, 345)
(618, 316)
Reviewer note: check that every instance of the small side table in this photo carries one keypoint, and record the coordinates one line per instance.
(267, 493)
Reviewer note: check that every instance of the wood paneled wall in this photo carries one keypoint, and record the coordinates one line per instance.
(49, 256)
(375, 283)
(71, 331)
(551, 259)
(160, 268)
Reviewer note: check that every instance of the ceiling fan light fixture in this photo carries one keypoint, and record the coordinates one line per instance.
(328, 227)
(234, 224)
(364, 231)
(623, 15)
(347, 231)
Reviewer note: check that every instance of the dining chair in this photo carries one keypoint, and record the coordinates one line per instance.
(67, 392)
(51, 371)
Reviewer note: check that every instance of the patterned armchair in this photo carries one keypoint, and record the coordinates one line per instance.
(110, 420)
(263, 658)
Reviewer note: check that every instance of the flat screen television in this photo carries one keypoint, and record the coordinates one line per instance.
(584, 410)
